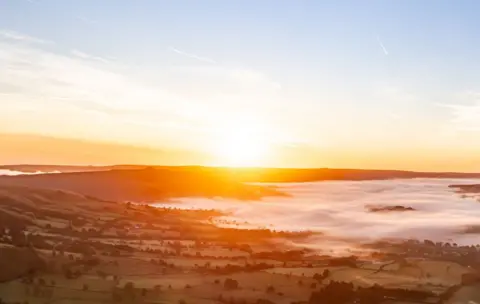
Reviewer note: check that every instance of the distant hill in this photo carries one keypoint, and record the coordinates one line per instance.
(269, 175)
(467, 188)
(144, 184)
(141, 183)
(64, 169)
(323, 174)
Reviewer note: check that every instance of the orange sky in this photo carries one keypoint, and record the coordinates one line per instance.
(345, 100)
(34, 149)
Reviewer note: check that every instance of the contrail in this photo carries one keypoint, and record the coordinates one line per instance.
(382, 46)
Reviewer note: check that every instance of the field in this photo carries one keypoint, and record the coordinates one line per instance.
(62, 247)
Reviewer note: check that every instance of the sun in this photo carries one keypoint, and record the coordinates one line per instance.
(241, 146)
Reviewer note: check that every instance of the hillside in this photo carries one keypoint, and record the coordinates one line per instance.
(144, 185)
(267, 175)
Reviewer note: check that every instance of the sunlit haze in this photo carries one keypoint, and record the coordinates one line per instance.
(240, 151)
(350, 84)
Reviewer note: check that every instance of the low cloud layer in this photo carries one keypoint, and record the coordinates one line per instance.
(337, 209)
(4, 172)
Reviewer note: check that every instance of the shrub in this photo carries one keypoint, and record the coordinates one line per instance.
(230, 284)
(129, 286)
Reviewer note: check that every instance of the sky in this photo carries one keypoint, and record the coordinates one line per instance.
(370, 84)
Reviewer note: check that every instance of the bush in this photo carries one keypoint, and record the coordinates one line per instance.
(129, 286)
(230, 284)
(85, 287)
(270, 289)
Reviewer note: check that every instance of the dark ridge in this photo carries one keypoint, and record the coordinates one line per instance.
(269, 175)
(396, 208)
(468, 188)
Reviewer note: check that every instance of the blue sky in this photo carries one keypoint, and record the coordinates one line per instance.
(366, 76)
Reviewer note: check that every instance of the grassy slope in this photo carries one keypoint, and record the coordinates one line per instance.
(144, 184)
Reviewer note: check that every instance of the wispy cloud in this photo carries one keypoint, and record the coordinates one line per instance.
(193, 56)
(69, 88)
(46, 88)
(384, 49)
(83, 55)
(465, 117)
(86, 20)
(11, 35)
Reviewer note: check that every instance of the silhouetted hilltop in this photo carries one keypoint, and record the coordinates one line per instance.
(61, 168)
(269, 175)
(395, 208)
(311, 175)
(468, 188)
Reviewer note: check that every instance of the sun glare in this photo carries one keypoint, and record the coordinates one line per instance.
(241, 146)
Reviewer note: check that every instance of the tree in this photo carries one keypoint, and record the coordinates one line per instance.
(129, 286)
(102, 274)
(326, 273)
(68, 273)
(230, 284)
(270, 289)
